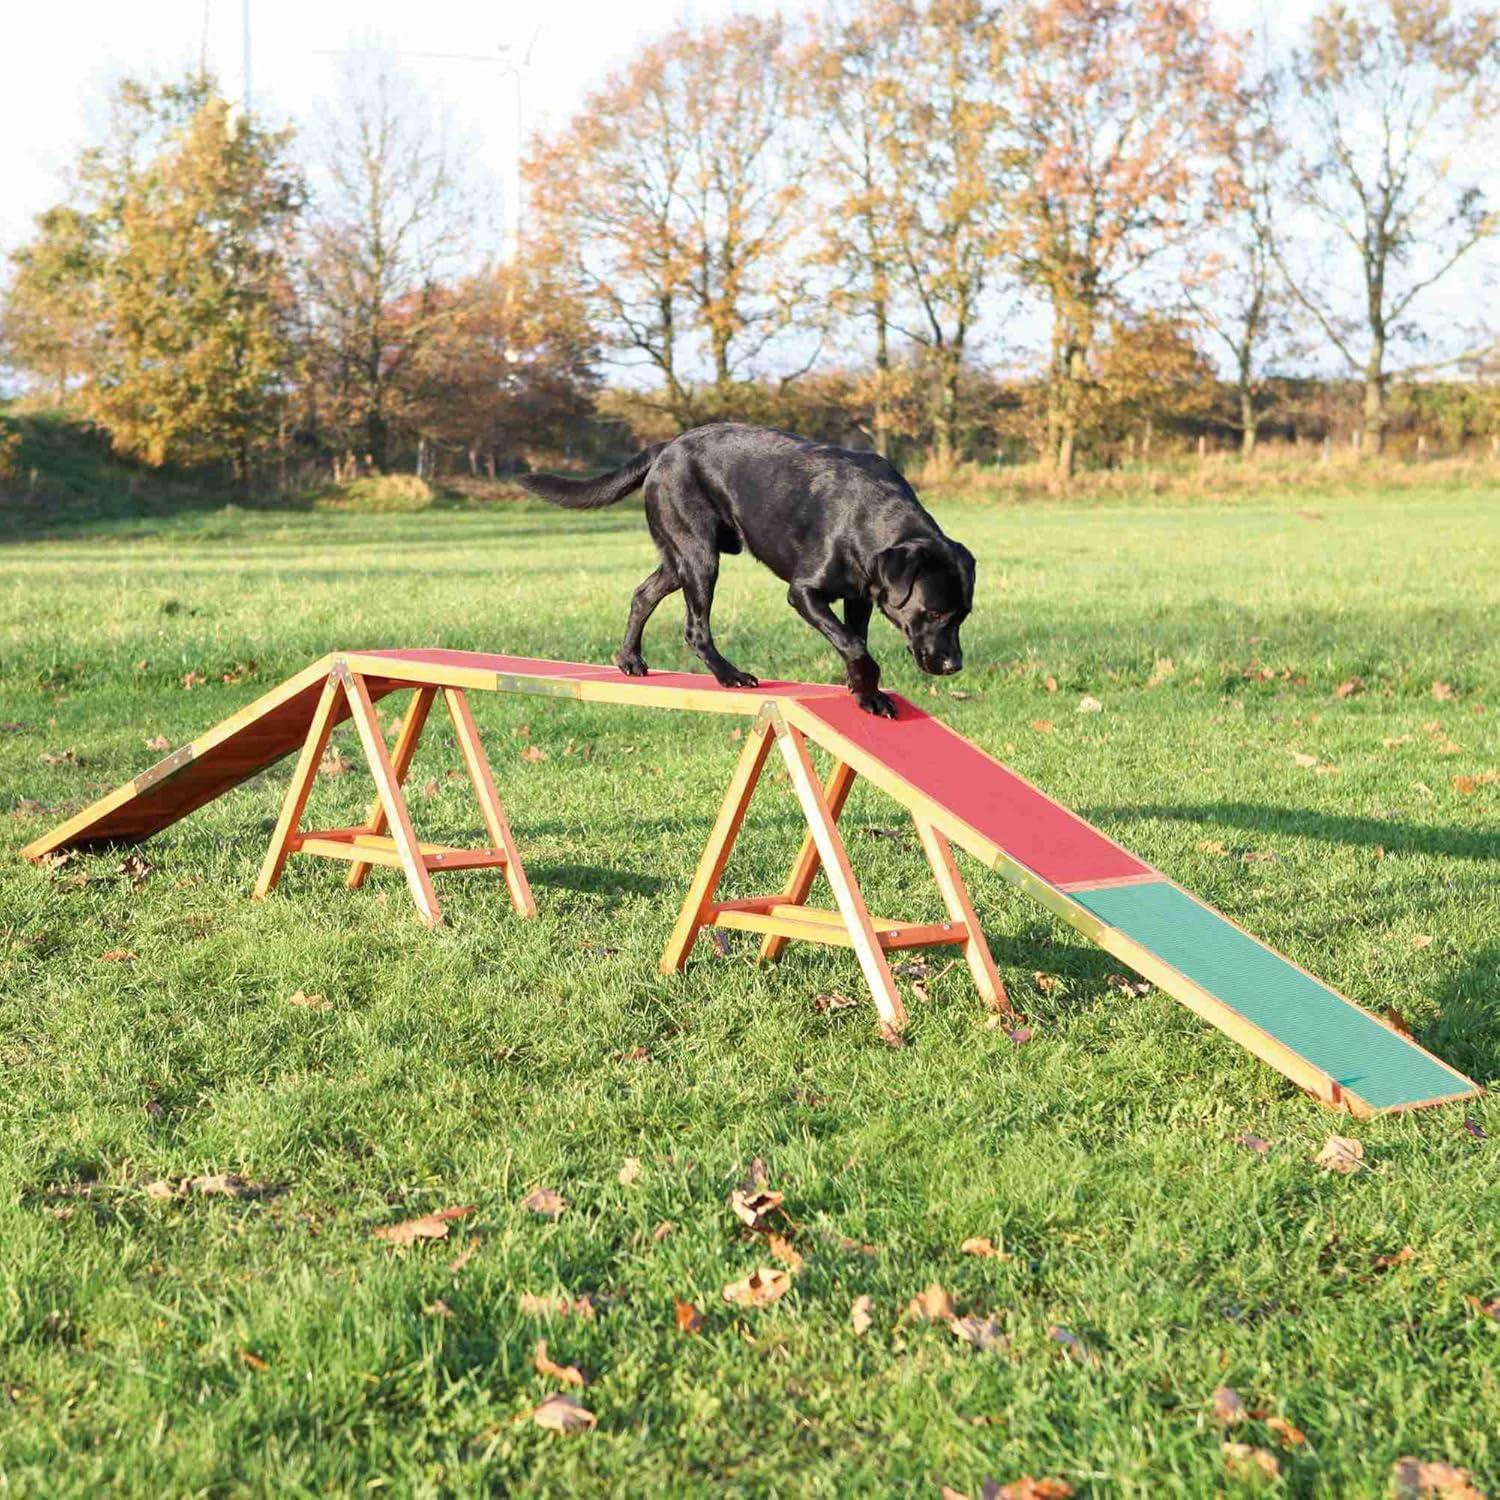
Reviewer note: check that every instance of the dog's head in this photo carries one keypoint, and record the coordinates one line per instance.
(926, 589)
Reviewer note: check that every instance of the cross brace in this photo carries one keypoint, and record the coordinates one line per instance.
(786, 915)
(387, 837)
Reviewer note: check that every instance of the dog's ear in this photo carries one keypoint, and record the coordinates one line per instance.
(966, 568)
(897, 569)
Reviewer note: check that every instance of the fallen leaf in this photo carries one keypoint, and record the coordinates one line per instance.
(1020, 1035)
(689, 1319)
(1424, 941)
(225, 1185)
(1043, 726)
(566, 1374)
(533, 753)
(662, 1230)
(1228, 1407)
(982, 1333)
(431, 787)
(932, 1306)
(432, 1226)
(1425, 1479)
(1475, 1128)
(1245, 1462)
(760, 1288)
(1072, 1346)
(1127, 985)
(783, 1250)
(334, 763)
(977, 1246)
(158, 742)
(1027, 1488)
(561, 1413)
(310, 1002)
(752, 1207)
(720, 941)
(1341, 1154)
(253, 1360)
(1391, 1261)
(118, 956)
(547, 1203)
(1348, 689)
(193, 679)
(825, 1003)
(1050, 684)
(135, 869)
(1303, 759)
(1046, 983)
(1443, 691)
(630, 1171)
(859, 1316)
(1161, 671)
(1252, 1142)
(1291, 1437)
(464, 1256)
(1213, 846)
(1088, 704)
(1489, 1309)
(532, 1306)
(437, 1308)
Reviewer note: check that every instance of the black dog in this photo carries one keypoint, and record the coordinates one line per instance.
(834, 523)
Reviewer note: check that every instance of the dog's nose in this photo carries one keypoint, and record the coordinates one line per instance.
(948, 665)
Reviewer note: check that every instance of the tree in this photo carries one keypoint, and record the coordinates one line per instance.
(1148, 373)
(389, 224)
(163, 293)
(1399, 97)
(1121, 125)
(1237, 291)
(674, 190)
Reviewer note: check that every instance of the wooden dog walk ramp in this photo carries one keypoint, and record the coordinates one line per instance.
(955, 793)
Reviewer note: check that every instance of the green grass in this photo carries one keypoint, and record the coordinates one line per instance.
(275, 1346)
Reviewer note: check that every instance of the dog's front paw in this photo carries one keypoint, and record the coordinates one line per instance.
(876, 703)
(631, 666)
(733, 677)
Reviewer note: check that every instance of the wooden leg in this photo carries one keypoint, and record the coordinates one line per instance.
(699, 899)
(401, 757)
(495, 823)
(846, 892)
(402, 833)
(955, 896)
(805, 866)
(295, 801)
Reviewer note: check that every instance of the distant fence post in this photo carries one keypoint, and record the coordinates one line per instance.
(1327, 447)
(1421, 446)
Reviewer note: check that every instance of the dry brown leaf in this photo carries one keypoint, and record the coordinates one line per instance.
(1161, 671)
(437, 1308)
(983, 1333)
(533, 753)
(1228, 1407)
(783, 1250)
(193, 679)
(825, 1003)
(1128, 985)
(158, 742)
(546, 1203)
(566, 1374)
(1291, 1437)
(1341, 1154)
(662, 1230)
(532, 1306)
(1348, 689)
(1046, 983)
(760, 1288)
(253, 1360)
(1245, 1462)
(1303, 759)
(560, 1413)
(1443, 691)
(932, 1306)
(310, 1002)
(1252, 1142)
(630, 1171)
(1027, 1488)
(135, 869)
(335, 763)
(429, 1227)
(1391, 1261)
(118, 956)
(859, 1316)
(1427, 1479)
(977, 1246)
(1213, 846)
(1050, 684)
(431, 788)
(689, 1319)
(1043, 726)
(224, 1185)
(752, 1207)
(1088, 704)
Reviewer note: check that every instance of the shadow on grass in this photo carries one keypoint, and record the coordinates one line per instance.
(1394, 835)
(595, 879)
(1467, 1032)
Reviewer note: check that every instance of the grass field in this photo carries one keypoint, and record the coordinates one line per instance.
(275, 1345)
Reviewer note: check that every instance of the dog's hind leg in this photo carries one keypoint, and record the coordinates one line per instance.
(700, 572)
(651, 592)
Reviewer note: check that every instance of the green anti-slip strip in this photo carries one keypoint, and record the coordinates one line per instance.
(1353, 1048)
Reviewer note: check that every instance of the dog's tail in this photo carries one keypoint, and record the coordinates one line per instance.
(593, 494)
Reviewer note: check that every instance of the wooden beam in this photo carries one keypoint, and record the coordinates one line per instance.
(835, 860)
(805, 867)
(362, 711)
(955, 894)
(698, 903)
(294, 802)
(490, 807)
(412, 725)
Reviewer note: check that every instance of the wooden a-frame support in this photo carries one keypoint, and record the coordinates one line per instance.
(387, 837)
(786, 915)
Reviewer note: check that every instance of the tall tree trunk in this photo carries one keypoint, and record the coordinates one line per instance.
(1375, 394)
(945, 410)
(1076, 374)
(1249, 421)
(881, 417)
